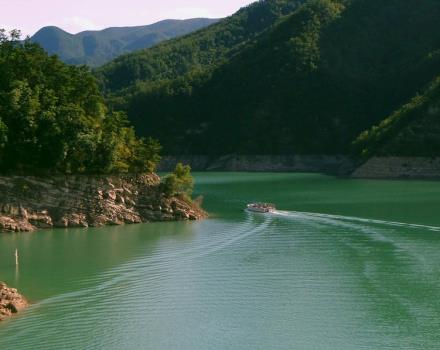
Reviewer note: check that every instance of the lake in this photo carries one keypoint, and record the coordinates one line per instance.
(345, 264)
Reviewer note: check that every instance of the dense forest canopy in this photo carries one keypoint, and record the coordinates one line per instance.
(412, 130)
(278, 77)
(53, 118)
(309, 77)
(198, 51)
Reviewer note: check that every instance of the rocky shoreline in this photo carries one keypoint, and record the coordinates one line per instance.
(31, 203)
(336, 165)
(417, 168)
(422, 168)
(11, 302)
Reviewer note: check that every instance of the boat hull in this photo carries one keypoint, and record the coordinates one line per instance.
(260, 208)
(257, 210)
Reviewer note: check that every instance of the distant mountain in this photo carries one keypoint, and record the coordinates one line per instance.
(95, 48)
(308, 81)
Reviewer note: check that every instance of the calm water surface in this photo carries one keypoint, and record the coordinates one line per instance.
(345, 264)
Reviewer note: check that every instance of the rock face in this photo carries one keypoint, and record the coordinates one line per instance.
(30, 203)
(339, 165)
(11, 302)
(399, 168)
(374, 168)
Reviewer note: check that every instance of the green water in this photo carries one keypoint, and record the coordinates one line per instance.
(345, 264)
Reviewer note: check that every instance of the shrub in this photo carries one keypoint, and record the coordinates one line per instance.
(179, 183)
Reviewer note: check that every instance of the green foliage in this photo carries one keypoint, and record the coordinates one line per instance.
(308, 82)
(53, 118)
(179, 183)
(169, 185)
(3, 138)
(203, 49)
(413, 130)
(96, 48)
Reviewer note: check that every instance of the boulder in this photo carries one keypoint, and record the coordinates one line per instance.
(11, 302)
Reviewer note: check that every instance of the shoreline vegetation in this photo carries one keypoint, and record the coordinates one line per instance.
(54, 120)
(66, 160)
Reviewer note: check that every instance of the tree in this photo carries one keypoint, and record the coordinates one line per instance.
(3, 137)
(54, 119)
(179, 183)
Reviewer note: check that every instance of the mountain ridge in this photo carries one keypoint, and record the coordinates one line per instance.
(308, 83)
(196, 51)
(97, 47)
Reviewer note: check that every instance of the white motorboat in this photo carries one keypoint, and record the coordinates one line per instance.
(261, 207)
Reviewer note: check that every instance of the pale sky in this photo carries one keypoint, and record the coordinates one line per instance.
(78, 15)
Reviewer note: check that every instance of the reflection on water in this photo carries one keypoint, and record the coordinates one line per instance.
(329, 271)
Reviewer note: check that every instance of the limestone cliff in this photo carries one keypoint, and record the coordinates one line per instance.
(399, 168)
(30, 203)
(337, 164)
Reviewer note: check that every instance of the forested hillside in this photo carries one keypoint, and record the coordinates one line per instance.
(202, 50)
(53, 118)
(96, 48)
(413, 130)
(307, 82)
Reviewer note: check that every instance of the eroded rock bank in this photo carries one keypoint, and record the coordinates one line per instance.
(30, 203)
(331, 164)
(11, 302)
(423, 168)
(399, 168)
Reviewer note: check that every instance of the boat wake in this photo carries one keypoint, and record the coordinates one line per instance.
(144, 265)
(350, 219)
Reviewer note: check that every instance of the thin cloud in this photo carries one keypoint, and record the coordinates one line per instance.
(77, 24)
(191, 12)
